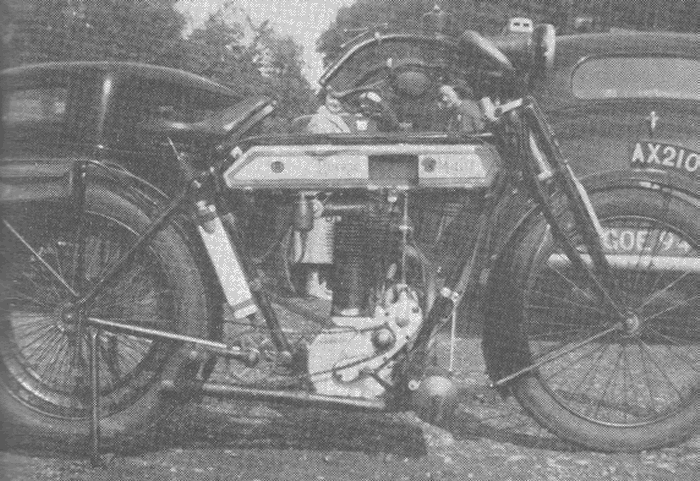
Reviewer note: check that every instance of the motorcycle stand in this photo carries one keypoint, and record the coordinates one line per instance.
(95, 456)
(216, 390)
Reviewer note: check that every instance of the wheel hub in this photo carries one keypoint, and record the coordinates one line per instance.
(67, 319)
(632, 324)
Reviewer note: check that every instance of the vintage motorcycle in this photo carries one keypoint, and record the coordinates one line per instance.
(113, 294)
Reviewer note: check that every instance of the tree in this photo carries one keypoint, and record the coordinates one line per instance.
(488, 17)
(216, 50)
(229, 48)
(147, 31)
(251, 59)
(279, 60)
(407, 15)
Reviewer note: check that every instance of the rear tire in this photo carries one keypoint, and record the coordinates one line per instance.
(636, 388)
(44, 387)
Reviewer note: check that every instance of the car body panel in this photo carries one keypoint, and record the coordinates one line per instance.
(602, 133)
(59, 111)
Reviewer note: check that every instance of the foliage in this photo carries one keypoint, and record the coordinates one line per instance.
(489, 16)
(145, 31)
(269, 64)
(251, 59)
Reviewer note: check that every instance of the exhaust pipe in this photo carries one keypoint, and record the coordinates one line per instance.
(295, 398)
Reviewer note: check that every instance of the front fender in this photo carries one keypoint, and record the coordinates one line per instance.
(514, 216)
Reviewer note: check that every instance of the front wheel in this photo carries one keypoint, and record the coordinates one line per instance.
(611, 382)
(44, 351)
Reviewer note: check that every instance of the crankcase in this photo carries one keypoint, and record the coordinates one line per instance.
(355, 357)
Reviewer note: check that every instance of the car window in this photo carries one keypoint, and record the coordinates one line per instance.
(638, 77)
(34, 106)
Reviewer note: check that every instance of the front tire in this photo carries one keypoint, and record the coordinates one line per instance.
(637, 387)
(44, 383)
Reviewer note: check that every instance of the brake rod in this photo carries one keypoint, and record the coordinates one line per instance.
(556, 354)
(212, 346)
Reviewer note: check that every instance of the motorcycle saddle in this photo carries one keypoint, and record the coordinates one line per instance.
(217, 125)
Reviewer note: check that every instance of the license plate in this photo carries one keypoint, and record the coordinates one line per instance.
(647, 154)
(623, 240)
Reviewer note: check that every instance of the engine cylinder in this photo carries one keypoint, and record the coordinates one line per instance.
(362, 244)
(350, 296)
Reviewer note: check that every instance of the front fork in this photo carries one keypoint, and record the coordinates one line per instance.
(577, 203)
(556, 177)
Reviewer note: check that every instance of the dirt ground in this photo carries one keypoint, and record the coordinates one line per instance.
(490, 438)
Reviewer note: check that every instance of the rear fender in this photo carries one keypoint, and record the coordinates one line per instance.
(22, 183)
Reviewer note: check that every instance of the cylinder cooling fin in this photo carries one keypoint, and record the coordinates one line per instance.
(364, 245)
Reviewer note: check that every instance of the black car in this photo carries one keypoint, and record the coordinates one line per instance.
(626, 99)
(62, 111)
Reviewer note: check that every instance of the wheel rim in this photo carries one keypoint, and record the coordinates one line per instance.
(644, 371)
(44, 353)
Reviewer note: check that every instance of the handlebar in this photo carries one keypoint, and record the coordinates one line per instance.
(509, 54)
(474, 43)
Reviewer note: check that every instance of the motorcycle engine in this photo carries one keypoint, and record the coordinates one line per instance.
(376, 304)
(354, 357)
(380, 279)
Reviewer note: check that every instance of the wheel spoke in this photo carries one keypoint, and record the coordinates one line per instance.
(688, 361)
(671, 308)
(649, 383)
(570, 282)
(572, 303)
(48, 267)
(592, 369)
(607, 384)
(661, 291)
(644, 372)
(655, 362)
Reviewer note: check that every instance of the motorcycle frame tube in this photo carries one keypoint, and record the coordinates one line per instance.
(262, 300)
(471, 262)
(161, 221)
(258, 299)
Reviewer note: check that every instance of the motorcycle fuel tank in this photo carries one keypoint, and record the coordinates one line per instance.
(364, 165)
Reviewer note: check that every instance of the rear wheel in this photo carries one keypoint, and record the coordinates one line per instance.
(44, 352)
(616, 384)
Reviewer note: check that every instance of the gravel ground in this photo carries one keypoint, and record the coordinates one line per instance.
(490, 438)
